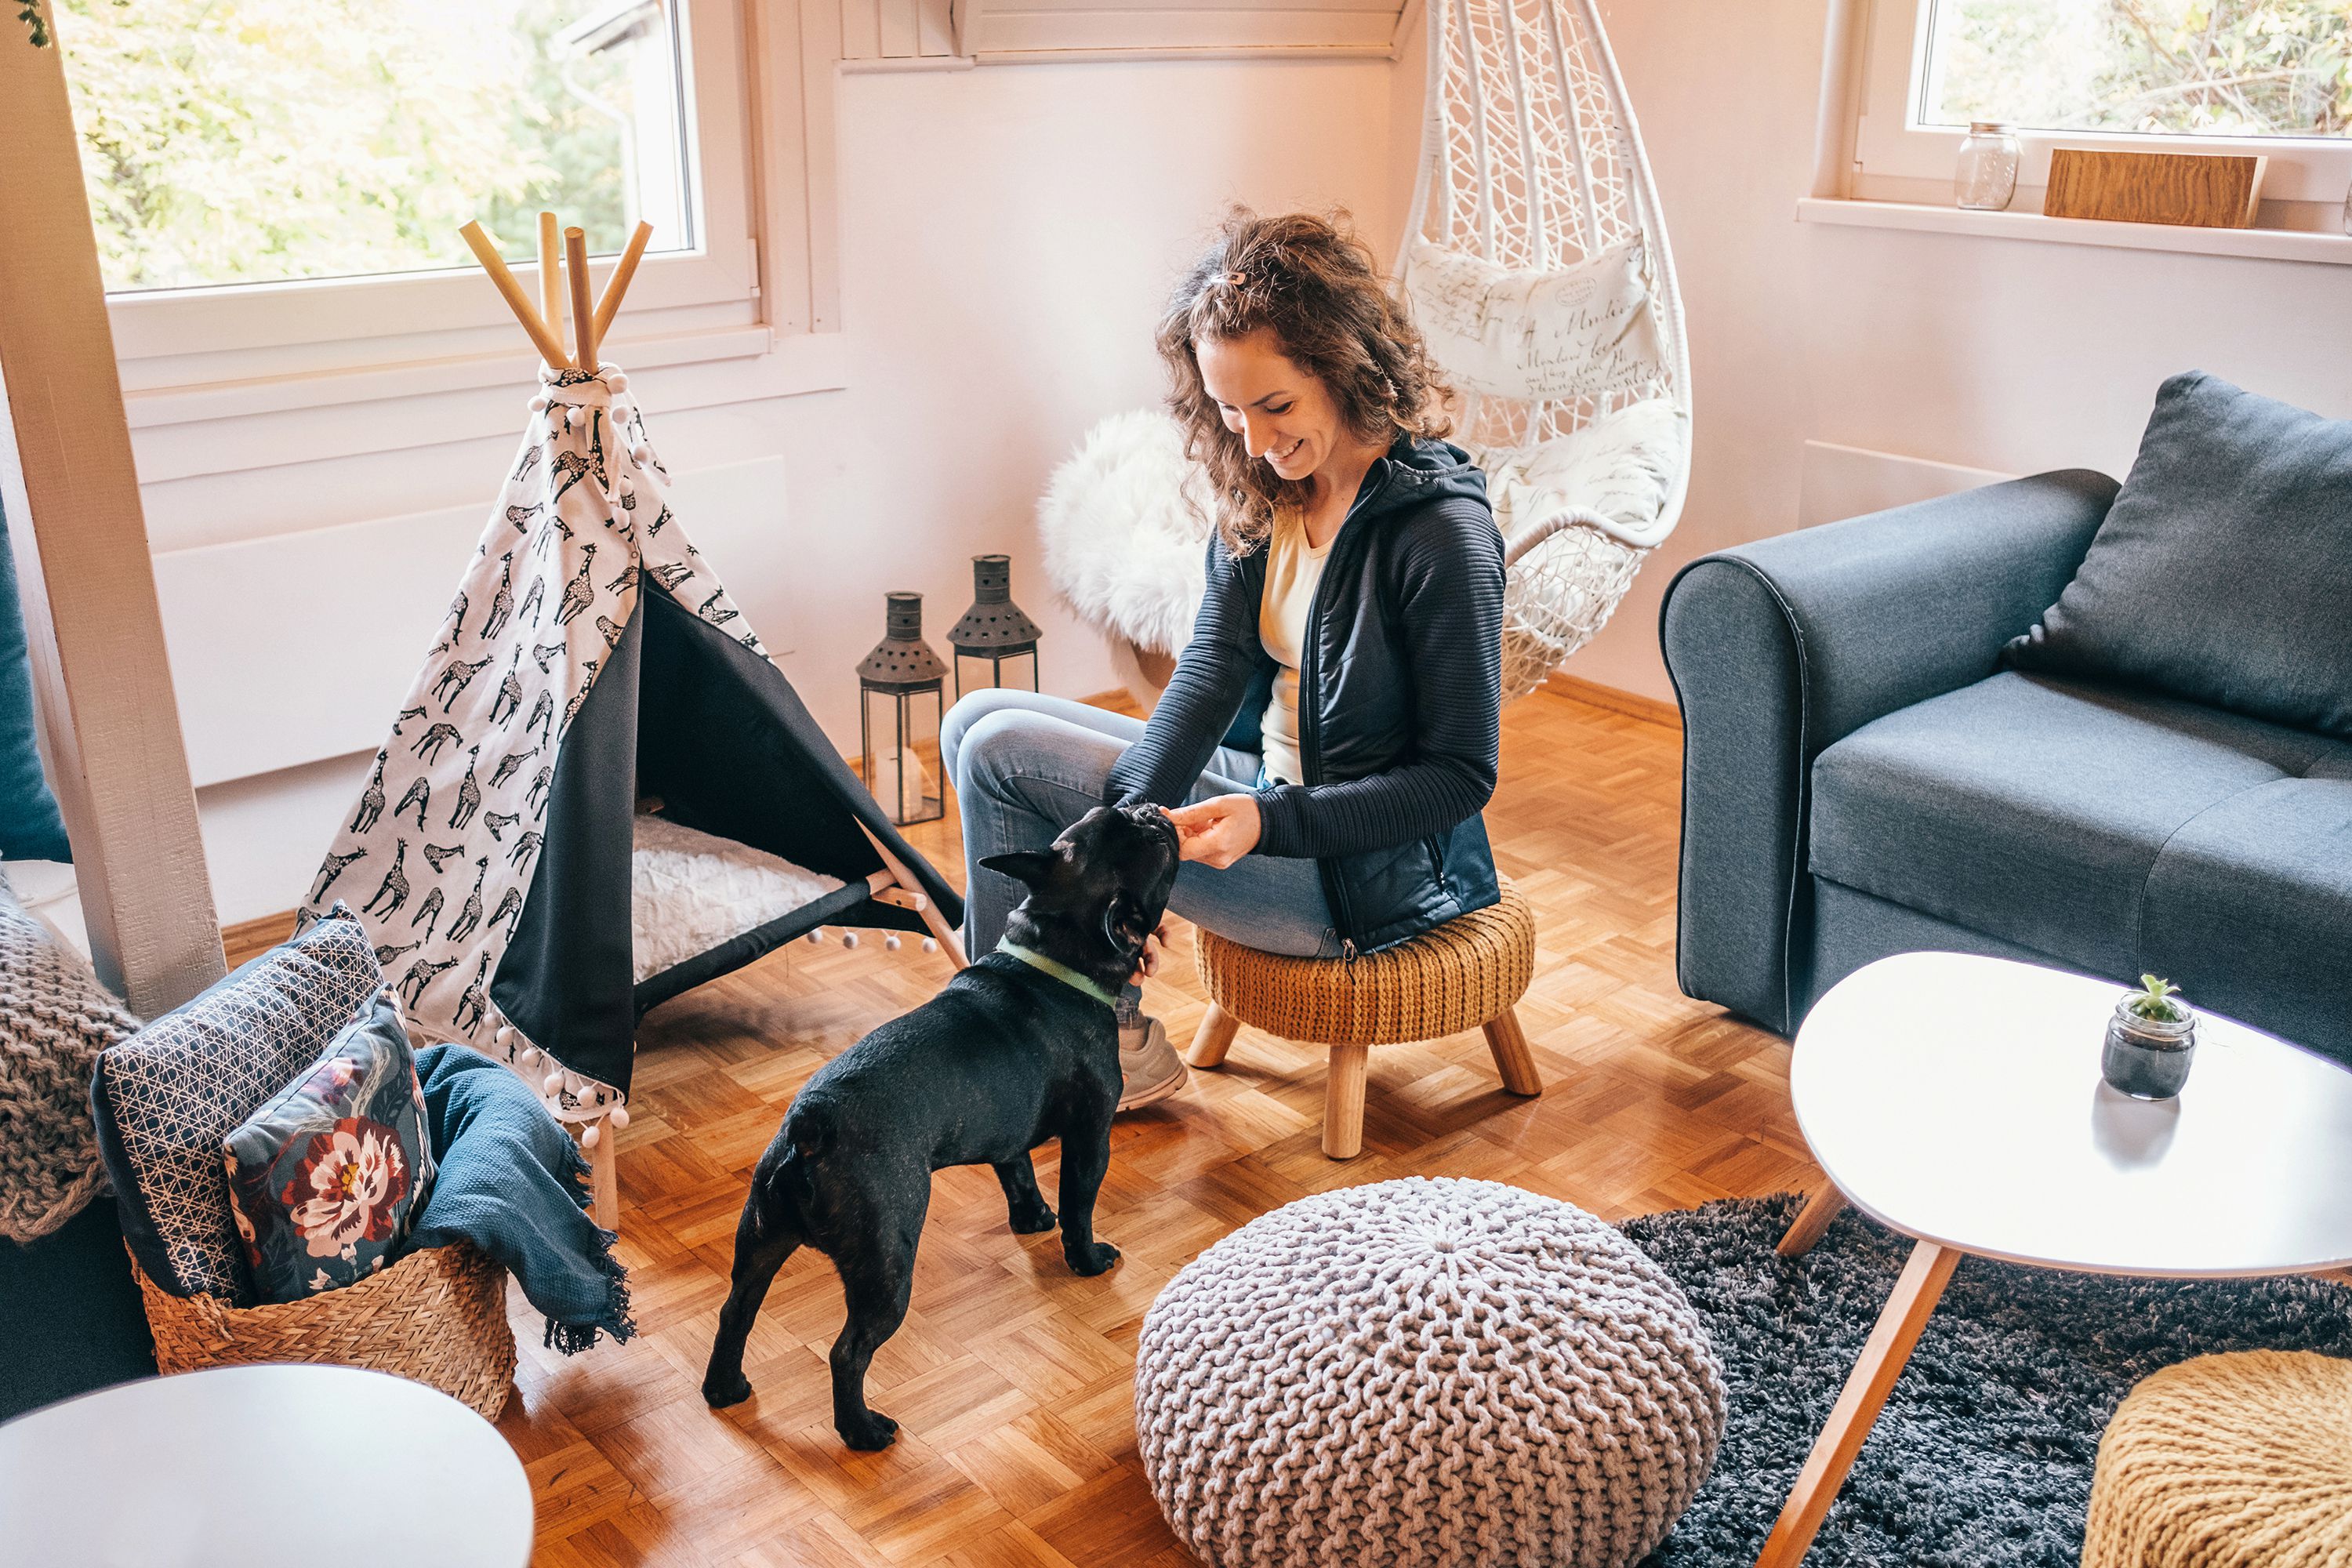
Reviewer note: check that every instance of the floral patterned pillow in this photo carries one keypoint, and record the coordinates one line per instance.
(324, 1178)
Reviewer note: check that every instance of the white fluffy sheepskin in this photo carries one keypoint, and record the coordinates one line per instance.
(1124, 523)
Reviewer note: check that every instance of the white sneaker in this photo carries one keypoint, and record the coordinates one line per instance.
(1150, 1068)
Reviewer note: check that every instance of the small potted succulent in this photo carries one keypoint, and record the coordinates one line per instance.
(2151, 1041)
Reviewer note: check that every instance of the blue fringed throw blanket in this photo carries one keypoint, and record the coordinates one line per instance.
(512, 1183)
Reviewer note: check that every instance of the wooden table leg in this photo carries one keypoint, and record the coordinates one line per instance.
(1916, 1292)
(1811, 1221)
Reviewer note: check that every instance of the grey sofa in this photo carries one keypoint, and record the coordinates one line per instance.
(1861, 777)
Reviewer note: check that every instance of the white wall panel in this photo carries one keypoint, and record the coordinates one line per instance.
(910, 29)
(298, 648)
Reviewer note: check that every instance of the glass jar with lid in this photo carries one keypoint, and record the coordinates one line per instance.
(1987, 176)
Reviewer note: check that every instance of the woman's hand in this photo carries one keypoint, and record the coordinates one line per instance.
(1218, 831)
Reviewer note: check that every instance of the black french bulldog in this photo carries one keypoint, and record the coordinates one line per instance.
(1020, 1047)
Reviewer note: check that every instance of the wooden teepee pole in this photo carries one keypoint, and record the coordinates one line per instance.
(550, 275)
(583, 310)
(609, 305)
(550, 348)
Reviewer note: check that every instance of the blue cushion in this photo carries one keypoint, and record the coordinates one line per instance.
(165, 1098)
(2250, 907)
(2037, 811)
(31, 828)
(2223, 571)
(324, 1177)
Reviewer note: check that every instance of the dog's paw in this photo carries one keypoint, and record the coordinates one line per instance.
(869, 1432)
(1031, 1222)
(1095, 1259)
(721, 1393)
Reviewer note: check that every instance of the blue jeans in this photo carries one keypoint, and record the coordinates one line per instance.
(1026, 766)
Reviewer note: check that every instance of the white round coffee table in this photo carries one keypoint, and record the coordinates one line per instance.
(1957, 1099)
(262, 1465)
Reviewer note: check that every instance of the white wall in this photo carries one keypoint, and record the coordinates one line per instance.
(1989, 353)
(1008, 235)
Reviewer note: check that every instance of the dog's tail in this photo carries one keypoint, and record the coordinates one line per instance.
(791, 1181)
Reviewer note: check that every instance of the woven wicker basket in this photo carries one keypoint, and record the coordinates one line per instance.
(436, 1317)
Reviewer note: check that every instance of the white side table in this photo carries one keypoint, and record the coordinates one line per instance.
(257, 1467)
(1957, 1099)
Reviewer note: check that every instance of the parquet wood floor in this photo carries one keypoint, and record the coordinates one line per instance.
(1010, 1379)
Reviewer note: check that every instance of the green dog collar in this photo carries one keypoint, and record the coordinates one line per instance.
(1061, 972)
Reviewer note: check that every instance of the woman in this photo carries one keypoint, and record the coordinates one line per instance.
(1347, 655)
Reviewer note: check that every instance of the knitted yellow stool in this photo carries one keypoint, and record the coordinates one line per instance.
(2227, 1461)
(1466, 974)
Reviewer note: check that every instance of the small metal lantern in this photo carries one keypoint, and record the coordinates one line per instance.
(903, 771)
(994, 629)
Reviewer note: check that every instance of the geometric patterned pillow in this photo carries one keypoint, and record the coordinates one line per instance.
(165, 1098)
(325, 1176)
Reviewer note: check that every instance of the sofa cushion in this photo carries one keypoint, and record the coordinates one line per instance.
(2250, 907)
(2037, 811)
(2223, 570)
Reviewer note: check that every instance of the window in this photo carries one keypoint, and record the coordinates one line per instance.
(287, 176)
(262, 140)
(2273, 77)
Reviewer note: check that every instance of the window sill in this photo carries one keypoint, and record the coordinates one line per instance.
(2267, 244)
(182, 432)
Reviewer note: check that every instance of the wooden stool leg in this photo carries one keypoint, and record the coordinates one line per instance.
(603, 1177)
(1343, 1103)
(1811, 1221)
(1214, 1039)
(1513, 1060)
(1916, 1291)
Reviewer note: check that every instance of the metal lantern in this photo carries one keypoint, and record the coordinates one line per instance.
(994, 629)
(901, 764)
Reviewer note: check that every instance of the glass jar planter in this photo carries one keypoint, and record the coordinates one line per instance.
(2148, 1058)
(1986, 177)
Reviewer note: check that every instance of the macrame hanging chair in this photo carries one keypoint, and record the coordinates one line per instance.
(1536, 265)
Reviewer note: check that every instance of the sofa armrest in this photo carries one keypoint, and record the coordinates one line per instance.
(1779, 649)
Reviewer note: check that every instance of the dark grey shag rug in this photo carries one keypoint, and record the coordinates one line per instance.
(1983, 1455)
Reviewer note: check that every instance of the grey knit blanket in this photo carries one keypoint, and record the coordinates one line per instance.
(55, 1018)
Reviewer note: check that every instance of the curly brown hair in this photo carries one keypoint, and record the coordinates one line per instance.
(1314, 285)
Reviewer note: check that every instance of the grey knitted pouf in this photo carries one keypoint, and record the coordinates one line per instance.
(1423, 1373)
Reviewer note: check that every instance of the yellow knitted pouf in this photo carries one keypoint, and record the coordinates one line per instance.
(2227, 1461)
(1466, 974)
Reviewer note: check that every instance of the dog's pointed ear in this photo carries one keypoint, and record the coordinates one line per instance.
(1030, 867)
(1123, 925)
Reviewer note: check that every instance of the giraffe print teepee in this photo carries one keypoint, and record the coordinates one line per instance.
(439, 855)
(600, 792)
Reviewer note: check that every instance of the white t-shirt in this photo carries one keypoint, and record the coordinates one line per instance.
(1292, 571)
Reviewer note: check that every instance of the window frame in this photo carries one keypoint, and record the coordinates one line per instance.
(1896, 158)
(178, 338)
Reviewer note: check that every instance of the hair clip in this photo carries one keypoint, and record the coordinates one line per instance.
(1237, 279)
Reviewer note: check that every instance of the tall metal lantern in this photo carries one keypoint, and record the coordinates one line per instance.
(901, 757)
(994, 630)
